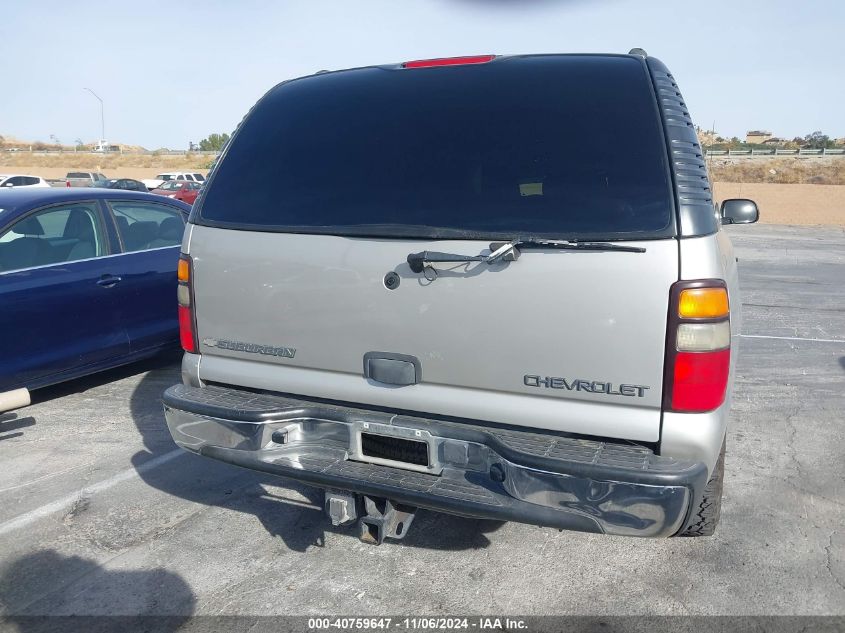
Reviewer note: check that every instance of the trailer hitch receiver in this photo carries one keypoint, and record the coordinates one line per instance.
(383, 519)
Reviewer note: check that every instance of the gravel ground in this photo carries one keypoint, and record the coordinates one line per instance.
(798, 204)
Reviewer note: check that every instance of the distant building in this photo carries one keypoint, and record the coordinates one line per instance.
(757, 136)
(774, 141)
(839, 141)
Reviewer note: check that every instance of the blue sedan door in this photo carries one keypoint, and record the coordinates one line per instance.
(58, 308)
(150, 235)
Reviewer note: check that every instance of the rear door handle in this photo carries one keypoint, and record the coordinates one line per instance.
(107, 281)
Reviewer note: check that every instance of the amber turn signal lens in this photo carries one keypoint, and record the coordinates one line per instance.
(703, 303)
(183, 270)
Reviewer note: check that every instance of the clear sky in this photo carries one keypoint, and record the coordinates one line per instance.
(170, 72)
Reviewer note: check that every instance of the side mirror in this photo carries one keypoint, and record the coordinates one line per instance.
(739, 211)
(9, 184)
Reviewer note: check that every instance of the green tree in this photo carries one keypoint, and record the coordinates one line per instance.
(817, 140)
(214, 143)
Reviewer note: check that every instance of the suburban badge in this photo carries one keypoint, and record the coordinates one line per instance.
(250, 348)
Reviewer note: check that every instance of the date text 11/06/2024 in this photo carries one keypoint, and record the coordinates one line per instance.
(419, 624)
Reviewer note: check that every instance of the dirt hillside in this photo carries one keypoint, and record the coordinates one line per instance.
(44, 164)
(138, 173)
(790, 204)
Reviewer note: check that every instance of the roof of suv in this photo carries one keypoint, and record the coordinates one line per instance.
(469, 60)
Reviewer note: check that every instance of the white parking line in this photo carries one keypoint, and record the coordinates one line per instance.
(47, 476)
(88, 491)
(796, 338)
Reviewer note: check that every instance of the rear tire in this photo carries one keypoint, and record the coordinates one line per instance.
(706, 517)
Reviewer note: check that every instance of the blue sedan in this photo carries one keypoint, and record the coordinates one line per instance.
(87, 282)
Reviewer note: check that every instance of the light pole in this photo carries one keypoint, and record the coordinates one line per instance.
(102, 118)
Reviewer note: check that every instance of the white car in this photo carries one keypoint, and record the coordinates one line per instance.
(21, 180)
(155, 183)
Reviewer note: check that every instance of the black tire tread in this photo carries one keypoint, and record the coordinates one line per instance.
(709, 511)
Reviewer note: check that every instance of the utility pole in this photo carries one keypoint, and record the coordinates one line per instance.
(102, 119)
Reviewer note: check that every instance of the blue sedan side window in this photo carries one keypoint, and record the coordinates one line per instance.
(146, 225)
(59, 234)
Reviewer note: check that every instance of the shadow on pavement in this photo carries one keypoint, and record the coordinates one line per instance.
(299, 524)
(11, 422)
(47, 583)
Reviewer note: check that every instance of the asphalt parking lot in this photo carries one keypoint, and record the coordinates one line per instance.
(100, 513)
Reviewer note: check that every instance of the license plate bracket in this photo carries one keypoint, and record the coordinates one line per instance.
(398, 447)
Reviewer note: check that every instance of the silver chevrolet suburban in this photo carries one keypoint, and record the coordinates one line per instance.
(492, 286)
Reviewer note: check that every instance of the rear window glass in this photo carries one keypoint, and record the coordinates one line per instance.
(554, 146)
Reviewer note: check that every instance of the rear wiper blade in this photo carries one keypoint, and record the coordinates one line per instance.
(499, 250)
(509, 251)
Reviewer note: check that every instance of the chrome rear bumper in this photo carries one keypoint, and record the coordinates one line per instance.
(473, 470)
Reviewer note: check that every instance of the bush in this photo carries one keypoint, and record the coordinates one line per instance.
(214, 142)
(814, 171)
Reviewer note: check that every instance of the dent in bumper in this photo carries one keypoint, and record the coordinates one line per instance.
(480, 474)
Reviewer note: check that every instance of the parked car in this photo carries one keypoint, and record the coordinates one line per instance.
(8, 181)
(183, 190)
(468, 316)
(123, 183)
(87, 278)
(81, 179)
(101, 147)
(155, 183)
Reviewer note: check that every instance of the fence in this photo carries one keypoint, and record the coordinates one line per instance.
(738, 153)
(775, 151)
(159, 152)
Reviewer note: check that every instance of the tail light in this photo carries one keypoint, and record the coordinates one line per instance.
(185, 298)
(698, 346)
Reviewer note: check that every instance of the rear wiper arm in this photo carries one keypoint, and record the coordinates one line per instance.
(418, 261)
(509, 251)
(499, 250)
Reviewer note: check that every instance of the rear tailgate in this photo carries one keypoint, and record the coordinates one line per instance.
(332, 180)
(488, 338)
